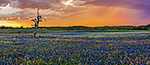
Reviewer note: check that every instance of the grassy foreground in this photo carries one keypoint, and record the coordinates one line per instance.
(93, 49)
(63, 31)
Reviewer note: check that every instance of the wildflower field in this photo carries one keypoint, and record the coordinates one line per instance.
(75, 48)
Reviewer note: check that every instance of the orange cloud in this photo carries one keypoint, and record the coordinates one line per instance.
(100, 16)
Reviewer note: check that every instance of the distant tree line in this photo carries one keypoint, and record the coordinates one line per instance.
(142, 27)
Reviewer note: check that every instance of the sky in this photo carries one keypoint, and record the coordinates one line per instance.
(75, 12)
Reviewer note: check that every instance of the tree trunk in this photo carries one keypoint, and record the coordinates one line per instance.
(35, 32)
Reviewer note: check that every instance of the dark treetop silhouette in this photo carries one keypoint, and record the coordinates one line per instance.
(36, 21)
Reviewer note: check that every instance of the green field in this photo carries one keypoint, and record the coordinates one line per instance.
(74, 47)
(63, 31)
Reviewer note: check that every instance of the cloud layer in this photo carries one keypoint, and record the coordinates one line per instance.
(133, 4)
(46, 4)
(42, 4)
(63, 9)
(4, 2)
(49, 8)
(143, 5)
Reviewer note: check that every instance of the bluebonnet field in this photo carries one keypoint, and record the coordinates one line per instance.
(76, 48)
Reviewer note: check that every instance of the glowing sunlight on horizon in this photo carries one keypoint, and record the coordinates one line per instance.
(7, 23)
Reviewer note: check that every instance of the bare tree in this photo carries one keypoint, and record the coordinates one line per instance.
(36, 21)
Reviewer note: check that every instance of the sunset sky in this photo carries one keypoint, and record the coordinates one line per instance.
(75, 12)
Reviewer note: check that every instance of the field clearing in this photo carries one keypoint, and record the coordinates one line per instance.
(76, 48)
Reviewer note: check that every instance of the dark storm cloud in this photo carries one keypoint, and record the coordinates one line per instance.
(42, 4)
(134, 4)
(143, 5)
(56, 5)
(4, 2)
(45, 4)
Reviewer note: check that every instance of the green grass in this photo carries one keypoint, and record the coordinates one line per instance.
(63, 31)
(117, 31)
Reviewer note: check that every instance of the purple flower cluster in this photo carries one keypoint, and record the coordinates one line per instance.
(76, 50)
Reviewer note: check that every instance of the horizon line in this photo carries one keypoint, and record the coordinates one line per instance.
(71, 26)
